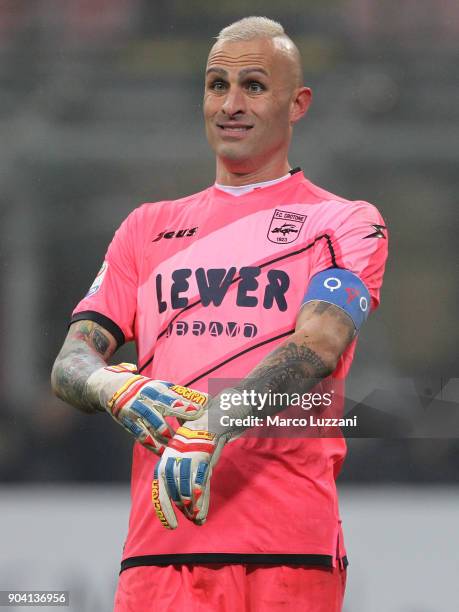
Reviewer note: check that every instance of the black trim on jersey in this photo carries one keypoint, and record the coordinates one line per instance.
(100, 319)
(294, 170)
(237, 278)
(331, 249)
(229, 558)
(247, 350)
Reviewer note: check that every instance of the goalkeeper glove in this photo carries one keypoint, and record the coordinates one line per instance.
(182, 475)
(139, 404)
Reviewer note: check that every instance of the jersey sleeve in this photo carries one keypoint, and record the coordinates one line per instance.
(357, 241)
(111, 301)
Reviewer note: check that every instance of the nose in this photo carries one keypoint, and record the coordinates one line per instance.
(234, 103)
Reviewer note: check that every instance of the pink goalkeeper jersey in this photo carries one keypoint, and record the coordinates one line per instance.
(206, 286)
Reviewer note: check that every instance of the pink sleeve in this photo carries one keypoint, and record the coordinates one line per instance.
(356, 241)
(112, 298)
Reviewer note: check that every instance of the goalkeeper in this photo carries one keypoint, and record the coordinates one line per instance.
(263, 277)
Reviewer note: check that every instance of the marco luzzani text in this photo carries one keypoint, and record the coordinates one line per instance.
(279, 401)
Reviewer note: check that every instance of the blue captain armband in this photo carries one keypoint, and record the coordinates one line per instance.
(343, 289)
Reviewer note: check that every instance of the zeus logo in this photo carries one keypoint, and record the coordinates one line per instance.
(214, 283)
(176, 234)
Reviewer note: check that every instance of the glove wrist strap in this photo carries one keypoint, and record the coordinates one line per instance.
(122, 390)
(105, 383)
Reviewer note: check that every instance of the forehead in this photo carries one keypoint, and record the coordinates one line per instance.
(242, 54)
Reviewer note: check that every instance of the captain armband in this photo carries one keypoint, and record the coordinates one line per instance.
(343, 289)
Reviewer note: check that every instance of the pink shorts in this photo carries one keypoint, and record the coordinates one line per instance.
(226, 588)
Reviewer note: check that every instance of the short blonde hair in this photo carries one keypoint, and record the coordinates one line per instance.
(249, 28)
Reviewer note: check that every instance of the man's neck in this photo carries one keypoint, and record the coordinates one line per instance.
(235, 177)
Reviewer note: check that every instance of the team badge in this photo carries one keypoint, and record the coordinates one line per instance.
(285, 226)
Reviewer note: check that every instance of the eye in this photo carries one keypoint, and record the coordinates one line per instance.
(255, 87)
(217, 85)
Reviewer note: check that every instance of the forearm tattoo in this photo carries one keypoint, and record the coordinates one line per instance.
(298, 364)
(101, 342)
(292, 367)
(86, 348)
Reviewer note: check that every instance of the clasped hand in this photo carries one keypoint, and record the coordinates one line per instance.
(140, 404)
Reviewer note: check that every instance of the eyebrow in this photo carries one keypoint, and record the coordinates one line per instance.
(242, 73)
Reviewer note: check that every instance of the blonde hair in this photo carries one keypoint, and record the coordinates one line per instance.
(249, 28)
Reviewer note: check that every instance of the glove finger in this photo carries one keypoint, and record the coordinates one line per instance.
(201, 515)
(174, 400)
(153, 420)
(170, 477)
(142, 435)
(160, 499)
(131, 426)
(200, 479)
(146, 439)
(203, 478)
(185, 487)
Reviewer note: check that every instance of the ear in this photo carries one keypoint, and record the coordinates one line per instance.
(300, 103)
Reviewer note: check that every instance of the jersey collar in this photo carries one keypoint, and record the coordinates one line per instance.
(296, 176)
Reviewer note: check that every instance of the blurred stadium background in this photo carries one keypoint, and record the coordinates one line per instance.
(100, 110)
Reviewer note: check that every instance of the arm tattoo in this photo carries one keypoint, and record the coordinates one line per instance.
(302, 361)
(87, 347)
(101, 342)
(299, 363)
(294, 367)
(291, 368)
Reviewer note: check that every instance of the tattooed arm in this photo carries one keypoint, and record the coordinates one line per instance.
(139, 404)
(311, 353)
(87, 348)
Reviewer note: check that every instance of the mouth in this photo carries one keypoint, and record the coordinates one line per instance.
(234, 129)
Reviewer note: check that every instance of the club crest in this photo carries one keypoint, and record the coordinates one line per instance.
(285, 226)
